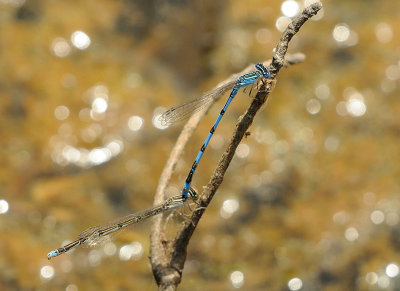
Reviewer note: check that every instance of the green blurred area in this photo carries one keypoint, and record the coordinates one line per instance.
(316, 186)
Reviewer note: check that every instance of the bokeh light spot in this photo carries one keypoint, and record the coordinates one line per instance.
(341, 32)
(383, 281)
(392, 270)
(133, 80)
(60, 47)
(132, 251)
(110, 249)
(384, 32)
(322, 91)
(277, 166)
(377, 217)
(392, 72)
(99, 156)
(290, 8)
(94, 258)
(281, 147)
(243, 150)
(356, 107)
(156, 121)
(229, 207)
(371, 278)
(3, 206)
(237, 279)
(295, 284)
(71, 287)
(351, 234)
(61, 112)
(392, 218)
(47, 272)
(80, 40)
(99, 105)
(331, 143)
(282, 22)
(313, 106)
(135, 123)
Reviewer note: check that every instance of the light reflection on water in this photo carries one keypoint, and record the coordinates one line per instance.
(384, 32)
(217, 141)
(110, 249)
(242, 151)
(237, 279)
(383, 281)
(281, 147)
(158, 111)
(392, 270)
(132, 251)
(371, 278)
(344, 36)
(387, 86)
(60, 47)
(341, 32)
(295, 284)
(65, 154)
(331, 143)
(277, 166)
(94, 258)
(133, 80)
(322, 91)
(229, 207)
(68, 81)
(351, 234)
(282, 22)
(47, 272)
(341, 217)
(392, 218)
(80, 40)
(290, 8)
(313, 106)
(99, 105)
(135, 123)
(392, 72)
(71, 287)
(3, 206)
(377, 217)
(266, 136)
(61, 112)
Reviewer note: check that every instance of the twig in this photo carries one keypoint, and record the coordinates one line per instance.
(168, 258)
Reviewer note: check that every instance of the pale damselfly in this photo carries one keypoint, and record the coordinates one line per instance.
(99, 234)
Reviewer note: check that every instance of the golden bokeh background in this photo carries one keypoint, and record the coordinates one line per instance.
(311, 199)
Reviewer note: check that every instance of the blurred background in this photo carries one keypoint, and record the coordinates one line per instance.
(311, 199)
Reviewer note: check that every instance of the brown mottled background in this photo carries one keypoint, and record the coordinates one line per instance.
(311, 200)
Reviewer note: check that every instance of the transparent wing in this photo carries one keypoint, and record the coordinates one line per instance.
(99, 235)
(91, 237)
(102, 234)
(99, 241)
(184, 111)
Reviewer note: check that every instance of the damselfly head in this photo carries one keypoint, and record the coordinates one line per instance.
(263, 70)
(192, 194)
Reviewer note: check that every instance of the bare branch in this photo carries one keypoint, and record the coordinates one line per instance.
(168, 258)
